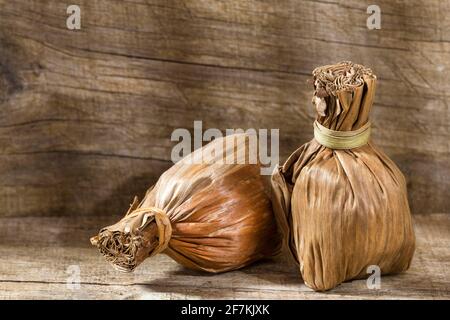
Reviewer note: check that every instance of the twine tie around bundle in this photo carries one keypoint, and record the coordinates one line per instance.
(162, 222)
(342, 139)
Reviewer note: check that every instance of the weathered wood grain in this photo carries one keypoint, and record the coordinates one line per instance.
(109, 95)
(37, 265)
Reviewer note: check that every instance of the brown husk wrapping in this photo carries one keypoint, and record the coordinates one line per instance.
(205, 214)
(343, 210)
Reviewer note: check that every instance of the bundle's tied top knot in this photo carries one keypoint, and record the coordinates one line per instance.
(142, 233)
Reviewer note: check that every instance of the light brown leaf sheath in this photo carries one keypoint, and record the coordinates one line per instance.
(203, 213)
(343, 210)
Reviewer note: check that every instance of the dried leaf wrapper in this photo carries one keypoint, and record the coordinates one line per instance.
(204, 213)
(343, 209)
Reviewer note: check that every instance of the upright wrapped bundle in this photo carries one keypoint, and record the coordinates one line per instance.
(340, 201)
(204, 213)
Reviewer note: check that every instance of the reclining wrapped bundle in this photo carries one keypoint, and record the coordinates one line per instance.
(204, 213)
(340, 201)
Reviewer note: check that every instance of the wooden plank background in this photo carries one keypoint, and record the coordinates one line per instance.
(40, 261)
(86, 116)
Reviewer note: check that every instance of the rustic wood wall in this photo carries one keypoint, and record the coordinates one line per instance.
(86, 116)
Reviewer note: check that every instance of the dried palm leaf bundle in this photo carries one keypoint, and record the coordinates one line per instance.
(204, 213)
(339, 200)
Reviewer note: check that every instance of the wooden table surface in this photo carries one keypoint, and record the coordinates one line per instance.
(41, 256)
